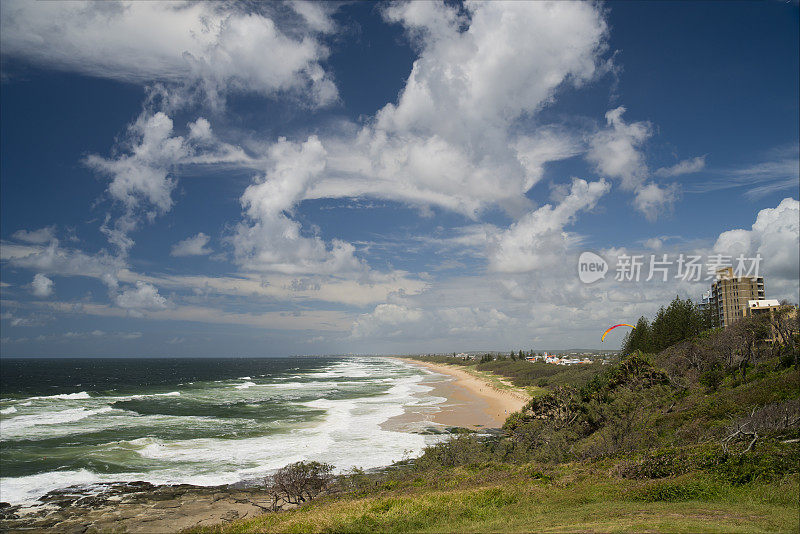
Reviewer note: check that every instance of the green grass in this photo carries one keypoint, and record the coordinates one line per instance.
(573, 498)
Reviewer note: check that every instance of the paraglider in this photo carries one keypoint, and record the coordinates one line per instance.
(612, 328)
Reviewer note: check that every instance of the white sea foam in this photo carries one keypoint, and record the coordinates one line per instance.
(6, 411)
(26, 490)
(349, 435)
(50, 418)
(306, 385)
(144, 396)
(245, 385)
(64, 396)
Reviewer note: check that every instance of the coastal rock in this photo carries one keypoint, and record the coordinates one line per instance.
(134, 507)
(7, 511)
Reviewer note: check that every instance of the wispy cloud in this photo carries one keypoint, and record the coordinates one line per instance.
(687, 166)
(779, 170)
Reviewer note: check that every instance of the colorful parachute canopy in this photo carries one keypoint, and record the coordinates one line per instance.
(612, 328)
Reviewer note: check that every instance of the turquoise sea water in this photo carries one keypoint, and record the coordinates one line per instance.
(198, 421)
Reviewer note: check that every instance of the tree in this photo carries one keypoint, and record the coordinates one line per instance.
(299, 482)
(784, 322)
(638, 338)
(682, 319)
(709, 317)
(753, 331)
(679, 321)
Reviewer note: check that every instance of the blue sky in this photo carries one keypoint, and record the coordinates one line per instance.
(314, 178)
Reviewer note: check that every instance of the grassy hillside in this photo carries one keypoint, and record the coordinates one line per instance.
(687, 440)
(522, 498)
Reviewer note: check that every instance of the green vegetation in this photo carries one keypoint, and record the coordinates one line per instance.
(572, 498)
(699, 437)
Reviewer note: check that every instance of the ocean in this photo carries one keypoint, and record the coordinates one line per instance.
(203, 421)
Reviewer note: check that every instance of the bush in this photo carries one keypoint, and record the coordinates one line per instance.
(675, 492)
(713, 377)
(464, 449)
(670, 462)
(772, 462)
(299, 482)
(788, 356)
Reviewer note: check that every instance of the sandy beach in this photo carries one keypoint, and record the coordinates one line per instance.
(472, 402)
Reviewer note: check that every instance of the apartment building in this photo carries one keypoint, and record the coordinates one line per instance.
(730, 295)
(757, 307)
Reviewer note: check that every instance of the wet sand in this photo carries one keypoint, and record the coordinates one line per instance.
(472, 402)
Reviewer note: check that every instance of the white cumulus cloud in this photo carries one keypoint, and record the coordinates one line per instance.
(212, 47)
(142, 297)
(61, 261)
(616, 152)
(653, 199)
(268, 240)
(143, 175)
(448, 141)
(192, 246)
(775, 235)
(37, 237)
(538, 239)
(42, 286)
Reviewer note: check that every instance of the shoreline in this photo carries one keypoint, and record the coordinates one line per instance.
(135, 507)
(472, 402)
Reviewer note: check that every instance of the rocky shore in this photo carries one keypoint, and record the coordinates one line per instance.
(134, 507)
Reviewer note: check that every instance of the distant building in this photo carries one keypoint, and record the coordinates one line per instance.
(764, 307)
(562, 359)
(756, 307)
(705, 300)
(730, 295)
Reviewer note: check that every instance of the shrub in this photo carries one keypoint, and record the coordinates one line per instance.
(773, 461)
(673, 491)
(713, 377)
(788, 356)
(299, 482)
(770, 464)
(463, 449)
